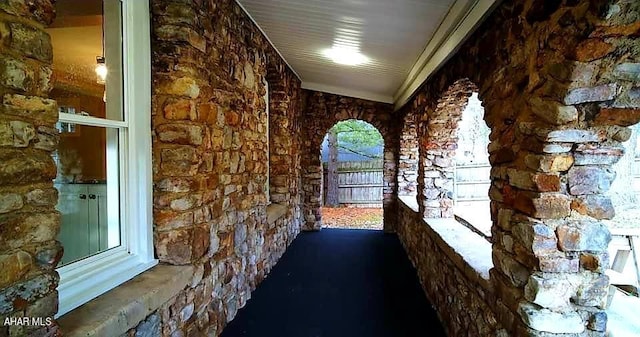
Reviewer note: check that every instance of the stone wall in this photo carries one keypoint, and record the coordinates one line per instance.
(322, 112)
(285, 144)
(408, 156)
(210, 158)
(463, 299)
(559, 82)
(29, 222)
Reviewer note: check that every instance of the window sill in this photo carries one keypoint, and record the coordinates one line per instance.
(124, 307)
(275, 212)
(410, 201)
(113, 268)
(470, 252)
(464, 247)
(475, 215)
(475, 227)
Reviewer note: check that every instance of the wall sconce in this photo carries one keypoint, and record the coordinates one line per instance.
(101, 70)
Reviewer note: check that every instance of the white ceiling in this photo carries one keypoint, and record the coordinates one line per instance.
(399, 36)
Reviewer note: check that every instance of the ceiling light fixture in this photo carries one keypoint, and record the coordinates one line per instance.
(345, 55)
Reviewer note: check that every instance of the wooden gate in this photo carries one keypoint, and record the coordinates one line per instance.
(360, 183)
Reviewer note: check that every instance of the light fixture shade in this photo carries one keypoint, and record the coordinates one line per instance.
(346, 55)
(101, 70)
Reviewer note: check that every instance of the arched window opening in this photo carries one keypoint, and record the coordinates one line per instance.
(472, 169)
(352, 160)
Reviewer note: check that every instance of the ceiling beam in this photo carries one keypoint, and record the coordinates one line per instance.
(463, 18)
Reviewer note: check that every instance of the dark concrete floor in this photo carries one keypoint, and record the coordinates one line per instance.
(339, 283)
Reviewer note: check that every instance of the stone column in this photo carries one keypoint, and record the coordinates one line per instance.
(312, 188)
(390, 189)
(29, 222)
(438, 143)
(552, 168)
(408, 157)
(549, 247)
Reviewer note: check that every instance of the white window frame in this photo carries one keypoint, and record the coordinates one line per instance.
(88, 278)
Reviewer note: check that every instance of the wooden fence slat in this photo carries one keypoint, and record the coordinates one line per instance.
(472, 182)
(360, 182)
(361, 186)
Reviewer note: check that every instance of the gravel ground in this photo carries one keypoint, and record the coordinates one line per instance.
(352, 218)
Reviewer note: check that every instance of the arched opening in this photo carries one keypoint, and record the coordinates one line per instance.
(322, 112)
(472, 169)
(439, 188)
(352, 154)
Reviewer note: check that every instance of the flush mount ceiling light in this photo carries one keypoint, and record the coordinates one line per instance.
(346, 56)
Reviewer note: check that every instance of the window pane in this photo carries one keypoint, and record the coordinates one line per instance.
(87, 63)
(87, 183)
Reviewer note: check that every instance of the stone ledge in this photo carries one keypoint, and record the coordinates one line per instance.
(409, 201)
(275, 212)
(470, 252)
(124, 307)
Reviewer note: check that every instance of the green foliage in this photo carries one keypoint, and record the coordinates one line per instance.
(356, 136)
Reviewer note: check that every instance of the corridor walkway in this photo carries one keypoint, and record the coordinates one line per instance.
(339, 283)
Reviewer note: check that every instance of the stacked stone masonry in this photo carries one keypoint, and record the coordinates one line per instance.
(464, 300)
(408, 157)
(559, 82)
(210, 156)
(29, 222)
(438, 144)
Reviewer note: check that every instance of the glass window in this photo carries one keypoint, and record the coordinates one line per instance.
(104, 195)
(87, 63)
(88, 193)
(87, 44)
